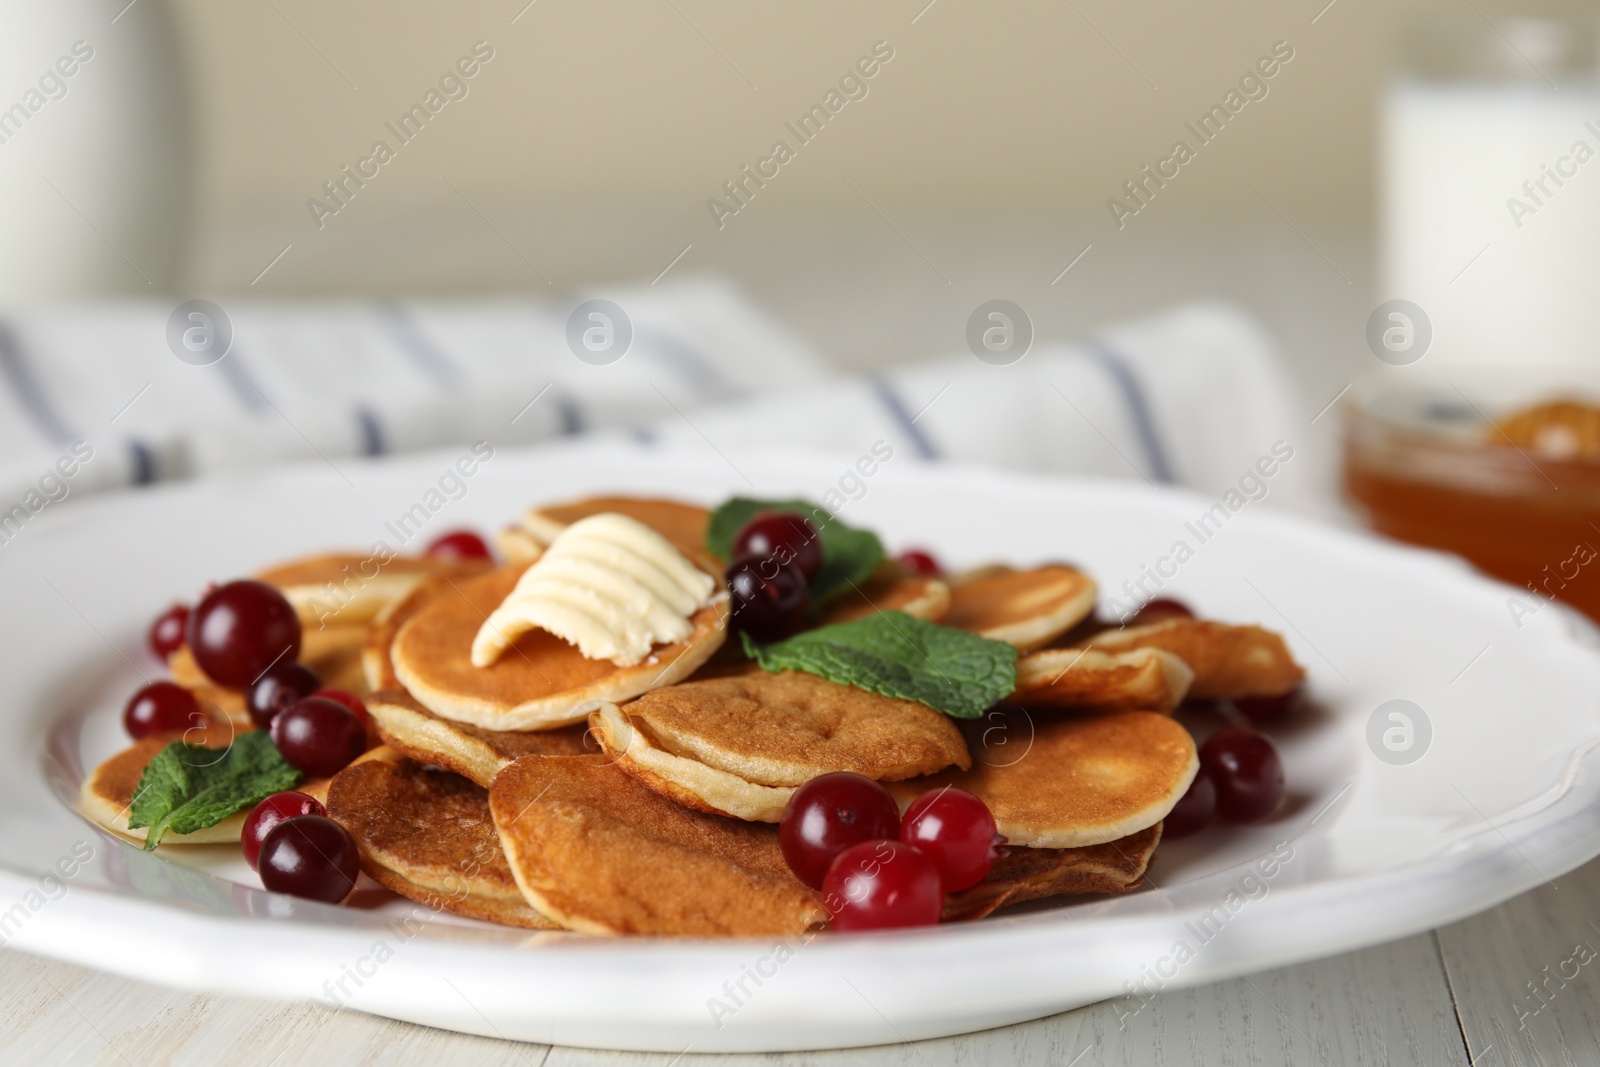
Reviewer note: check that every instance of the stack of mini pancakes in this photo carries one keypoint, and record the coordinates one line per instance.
(552, 791)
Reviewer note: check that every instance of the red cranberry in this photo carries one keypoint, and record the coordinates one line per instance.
(166, 633)
(827, 815)
(343, 696)
(269, 813)
(240, 629)
(279, 686)
(310, 856)
(161, 708)
(318, 737)
(877, 885)
(956, 831)
(1266, 710)
(459, 545)
(1160, 610)
(784, 535)
(1245, 768)
(917, 561)
(769, 599)
(1194, 810)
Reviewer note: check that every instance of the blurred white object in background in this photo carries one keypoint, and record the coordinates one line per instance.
(94, 159)
(1491, 190)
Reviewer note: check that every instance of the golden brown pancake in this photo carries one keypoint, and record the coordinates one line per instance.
(600, 853)
(318, 787)
(889, 589)
(541, 682)
(376, 666)
(470, 751)
(334, 654)
(346, 589)
(1082, 780)
(740, 744)
(1228, 661)
(517, 545)
(1035, 873)
(427, 834)
(1027, 608)
(682, 524)
(107, 792)
(1145, 678)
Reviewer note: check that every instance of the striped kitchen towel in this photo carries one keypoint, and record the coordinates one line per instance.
(1194, 396)
(94, 396)
(310, 381)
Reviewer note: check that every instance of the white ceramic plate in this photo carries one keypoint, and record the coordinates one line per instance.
(1504, 798)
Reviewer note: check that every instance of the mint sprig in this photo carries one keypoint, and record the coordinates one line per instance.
(190, 787)
(898, 655)
(848, 554)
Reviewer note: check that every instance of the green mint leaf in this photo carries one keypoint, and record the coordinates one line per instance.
(189, 787)
(950, 670)
(849, 555)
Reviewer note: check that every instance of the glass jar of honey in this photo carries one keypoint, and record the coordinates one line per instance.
(1493, 466)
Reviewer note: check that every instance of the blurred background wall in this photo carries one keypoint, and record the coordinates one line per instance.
(1038, 105)
(979, 164)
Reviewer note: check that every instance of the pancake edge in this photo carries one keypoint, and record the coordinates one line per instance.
(568, 706)
(100, 811)
(1160, 684)
(582, 924)
(531, 893)
(370, 598)
(522, 914)
(684, 780)
(518, 545)
(984, 898)
(1098, 834)
(1226, 642)
(932, 604)
(391, 878)
(405, 731)
(1127, 827)
(1029, 634)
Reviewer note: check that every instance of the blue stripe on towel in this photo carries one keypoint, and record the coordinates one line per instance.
(144, 462)
(571, 416)
(902, 416)
(29, 393)
(1138, 409)
(416, 346)
(372, 443)
(689, 365)
(244, 387)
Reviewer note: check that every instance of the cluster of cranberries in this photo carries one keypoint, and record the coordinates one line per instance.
(1241, 775)
(245, 636)
(842, 833)
(776, 557)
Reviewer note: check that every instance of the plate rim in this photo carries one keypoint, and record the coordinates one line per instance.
(61, 930)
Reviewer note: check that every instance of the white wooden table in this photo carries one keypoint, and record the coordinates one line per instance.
(1453, 996)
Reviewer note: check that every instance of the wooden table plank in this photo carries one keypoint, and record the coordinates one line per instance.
(1385, 1005)
(56, 1013)
(1526, 976)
